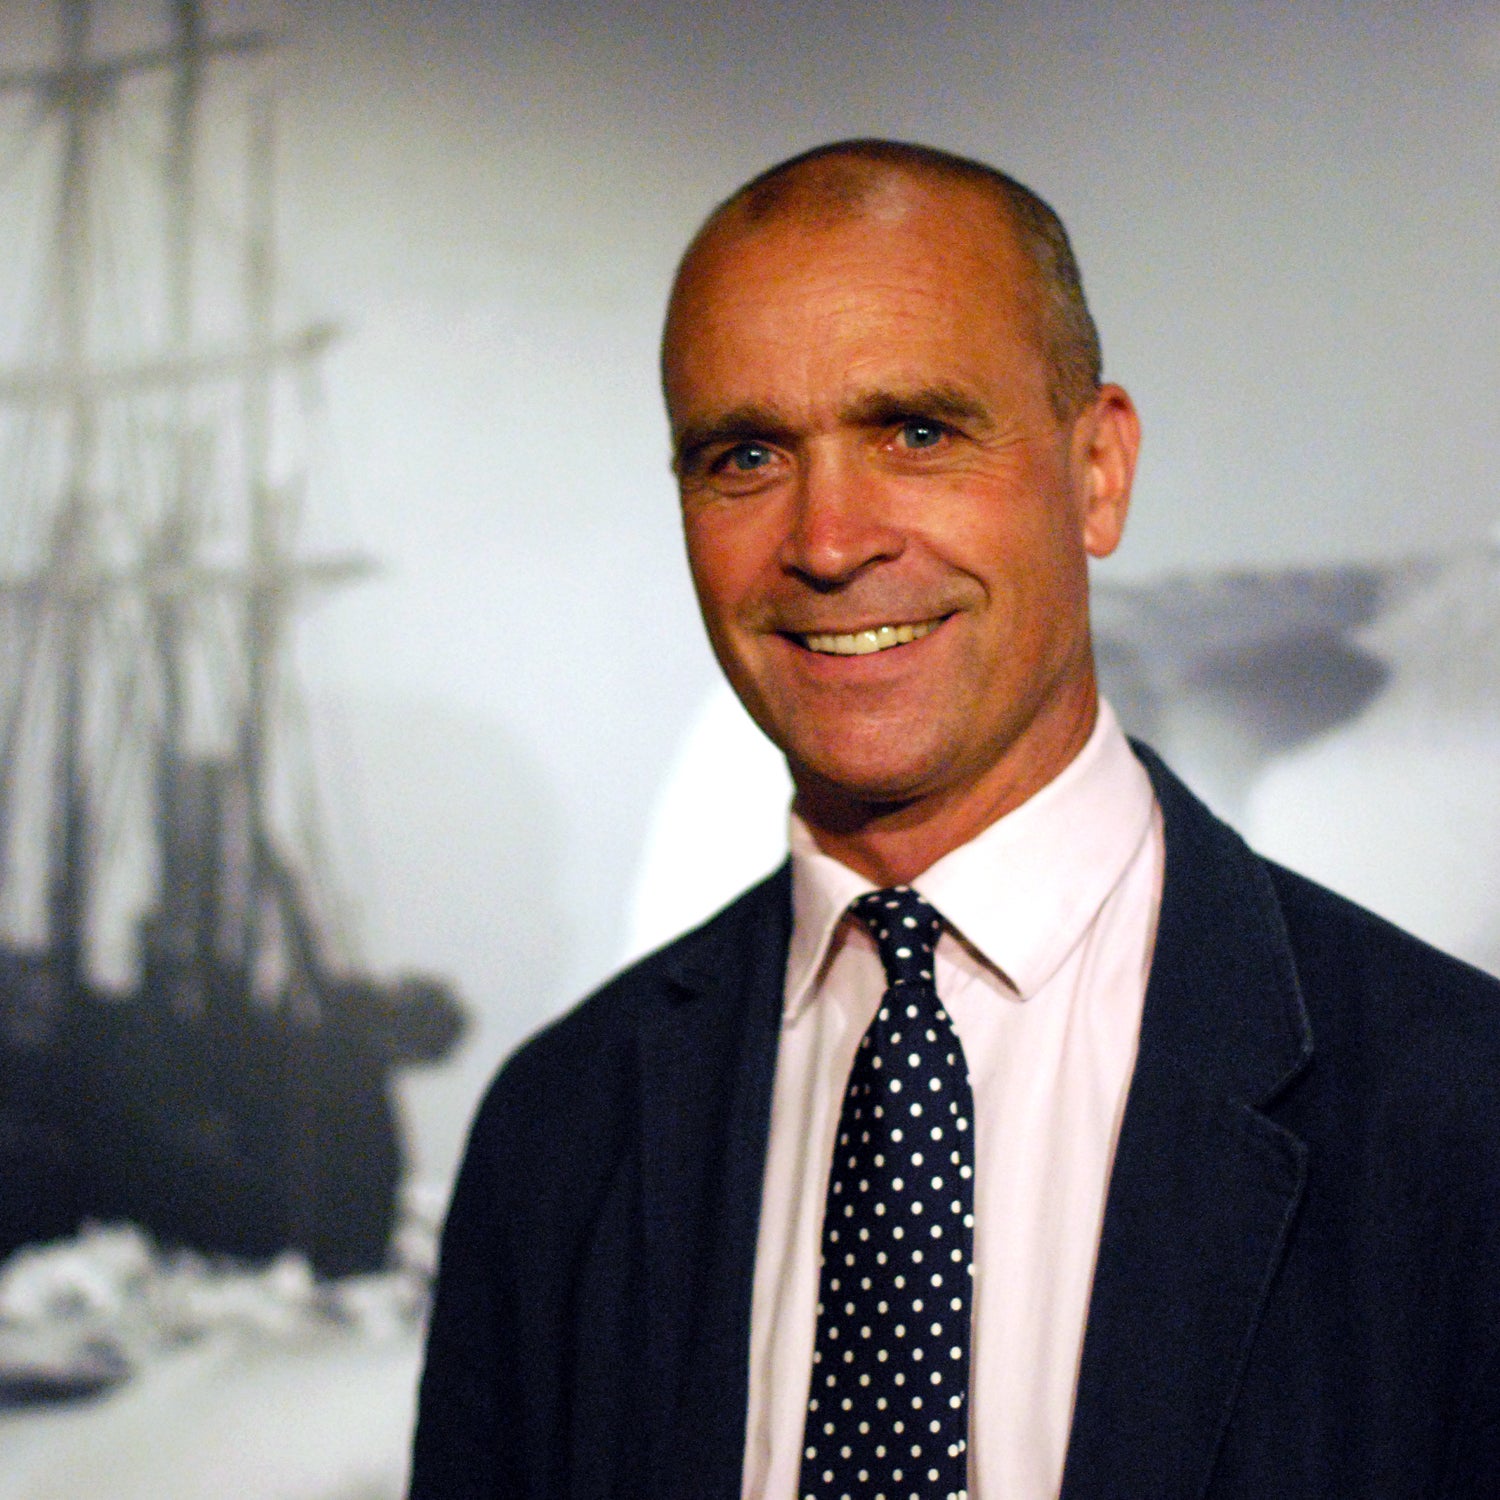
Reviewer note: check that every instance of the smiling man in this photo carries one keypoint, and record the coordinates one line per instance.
(1026, 1135)
(889, 496)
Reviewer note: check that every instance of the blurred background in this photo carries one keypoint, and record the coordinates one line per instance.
(512, 729)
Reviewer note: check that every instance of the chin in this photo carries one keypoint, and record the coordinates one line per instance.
(862, 784)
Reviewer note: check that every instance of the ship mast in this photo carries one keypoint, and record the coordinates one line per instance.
(78, 93)
(72, 584)
(266, 563)
(138, 768)
(177, 527)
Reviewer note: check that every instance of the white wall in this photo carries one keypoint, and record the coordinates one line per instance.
(1286, 216)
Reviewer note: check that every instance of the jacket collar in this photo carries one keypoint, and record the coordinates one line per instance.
(1221, 933)
(1205, 1182)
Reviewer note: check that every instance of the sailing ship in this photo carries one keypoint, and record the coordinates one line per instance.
(183, 1043)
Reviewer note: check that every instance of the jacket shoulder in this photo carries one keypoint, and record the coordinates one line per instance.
(1389, 1015)
(585, 1055)
(1382, 983)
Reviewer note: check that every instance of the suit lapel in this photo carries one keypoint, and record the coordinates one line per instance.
(1205, 1184)
(707, 1060)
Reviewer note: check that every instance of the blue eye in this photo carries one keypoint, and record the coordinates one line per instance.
(747, 457)
(918, 433)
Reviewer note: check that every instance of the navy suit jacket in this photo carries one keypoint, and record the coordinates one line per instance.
(1298, 1283)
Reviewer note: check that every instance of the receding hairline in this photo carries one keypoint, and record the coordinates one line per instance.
(839, 179)
(844, 180)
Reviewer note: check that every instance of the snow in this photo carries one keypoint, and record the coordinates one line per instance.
(255, 1382)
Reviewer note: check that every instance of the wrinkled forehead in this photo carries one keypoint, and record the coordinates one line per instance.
(949, 234)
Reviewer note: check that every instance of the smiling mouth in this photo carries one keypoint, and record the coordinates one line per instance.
(866, 642)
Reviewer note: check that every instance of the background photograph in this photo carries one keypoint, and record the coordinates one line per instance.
(355, 714)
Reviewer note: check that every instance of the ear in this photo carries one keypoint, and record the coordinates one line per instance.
(1106, 440)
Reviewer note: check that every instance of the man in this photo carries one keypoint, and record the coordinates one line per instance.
(1183, 1177)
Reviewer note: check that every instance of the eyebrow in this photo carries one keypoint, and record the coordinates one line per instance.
(738, 425)
(885, 408)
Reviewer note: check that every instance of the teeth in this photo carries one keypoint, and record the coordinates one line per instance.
(864, 642)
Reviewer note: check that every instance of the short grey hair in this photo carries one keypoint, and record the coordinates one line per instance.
(836, 181)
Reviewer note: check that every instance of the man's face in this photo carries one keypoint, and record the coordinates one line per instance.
(887, 523)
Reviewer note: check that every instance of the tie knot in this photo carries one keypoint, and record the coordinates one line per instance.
(905, 929)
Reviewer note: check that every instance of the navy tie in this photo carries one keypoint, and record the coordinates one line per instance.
(888, 1409)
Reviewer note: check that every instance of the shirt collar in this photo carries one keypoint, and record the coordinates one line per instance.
(1022, 893)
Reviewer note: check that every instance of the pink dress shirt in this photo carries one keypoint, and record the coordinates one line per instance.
(1052, 915)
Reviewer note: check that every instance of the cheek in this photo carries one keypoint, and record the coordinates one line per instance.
(733, 547)
(1030, 558)
(722, 563)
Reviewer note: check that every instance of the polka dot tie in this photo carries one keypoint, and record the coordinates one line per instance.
(887, 1412)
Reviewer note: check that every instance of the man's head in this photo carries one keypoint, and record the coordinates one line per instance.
(843, 180)
(895, 457)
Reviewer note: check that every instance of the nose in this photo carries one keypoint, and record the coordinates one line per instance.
(839, 526)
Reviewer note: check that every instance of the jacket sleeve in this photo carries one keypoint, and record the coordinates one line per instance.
(468, 1442)
(1474, 1470)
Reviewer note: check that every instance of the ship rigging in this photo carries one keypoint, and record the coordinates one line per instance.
(184, 1042)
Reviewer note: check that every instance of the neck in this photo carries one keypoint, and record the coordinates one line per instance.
(893, 842)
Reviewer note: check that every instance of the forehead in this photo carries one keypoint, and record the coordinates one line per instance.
(917, 272)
